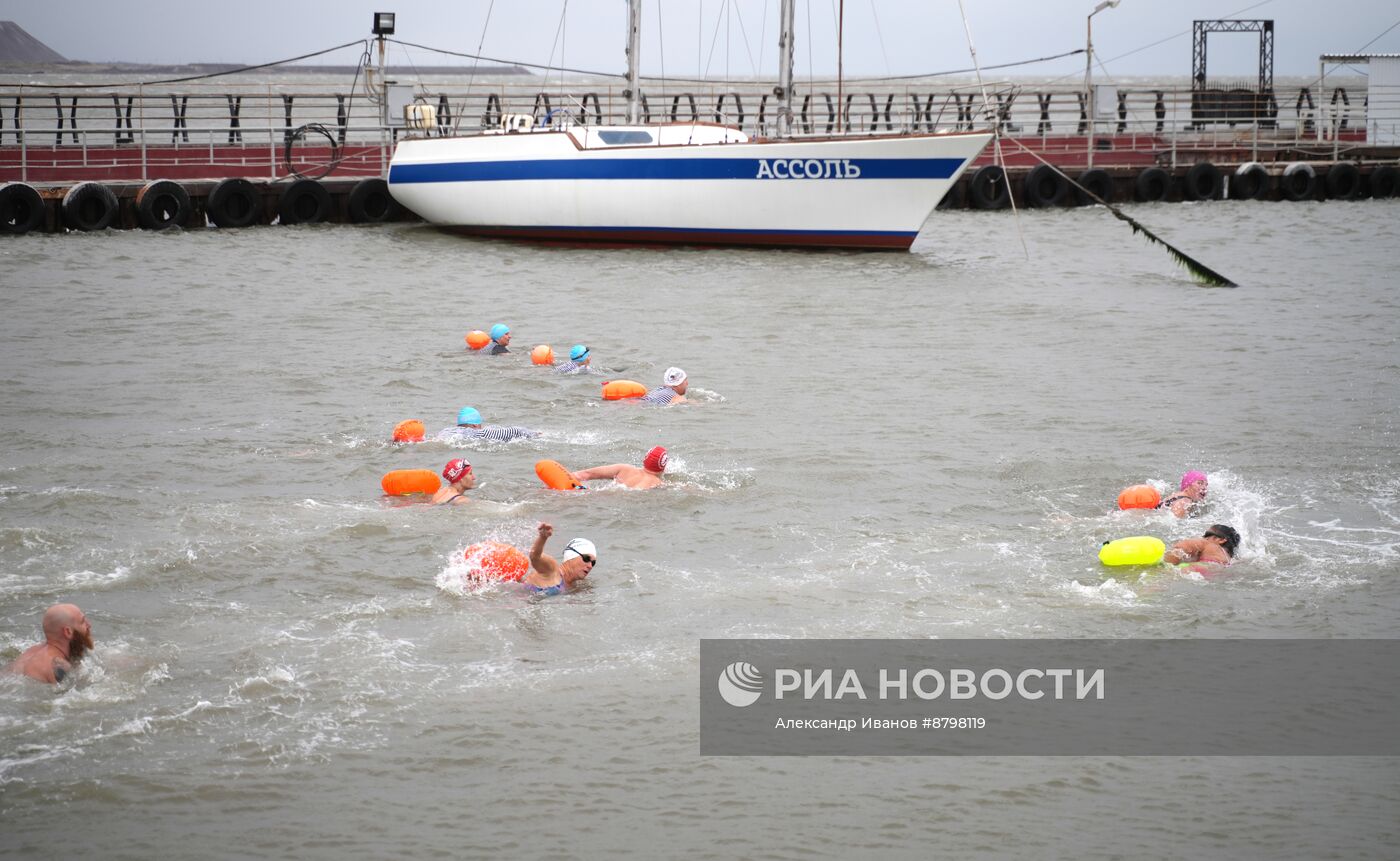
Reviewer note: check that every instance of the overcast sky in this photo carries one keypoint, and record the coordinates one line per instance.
(882, 37)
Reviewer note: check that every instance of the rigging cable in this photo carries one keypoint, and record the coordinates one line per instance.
(811, 77)
(995, 117)
(462, 106)
(206, 75)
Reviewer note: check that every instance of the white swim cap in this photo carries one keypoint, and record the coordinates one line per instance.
(580, 547)
(673, 377)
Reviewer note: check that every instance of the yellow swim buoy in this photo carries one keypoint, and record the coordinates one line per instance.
(1136, 550)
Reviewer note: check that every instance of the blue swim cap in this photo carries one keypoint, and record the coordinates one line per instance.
(578, 353)
(499, 331)
(468, 416)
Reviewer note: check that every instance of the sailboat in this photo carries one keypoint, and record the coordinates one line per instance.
(687, 183)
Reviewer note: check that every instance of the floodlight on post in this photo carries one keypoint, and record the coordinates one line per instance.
(1089, 106)
(383, 26)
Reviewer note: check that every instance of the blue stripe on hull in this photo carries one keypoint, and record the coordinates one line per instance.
(670, 168)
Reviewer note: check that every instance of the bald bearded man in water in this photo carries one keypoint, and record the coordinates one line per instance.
(67, 637)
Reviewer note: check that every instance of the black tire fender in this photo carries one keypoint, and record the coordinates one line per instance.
(1250, 182)
(1044, 187)
(1202, 182)
(1298, 182)
(305, 201)
(987, 188)
(1382, 182)
(1343, 181)
(21, 209)
(371, 203)
(1152, 185)
(163, 204)
(1097, 180)
(234, 203)
(89, 206)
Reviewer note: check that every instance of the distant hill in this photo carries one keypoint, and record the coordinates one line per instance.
(17, 46)
(18, 49)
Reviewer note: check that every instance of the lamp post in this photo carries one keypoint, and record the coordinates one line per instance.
(1089, 105)
(383, 26)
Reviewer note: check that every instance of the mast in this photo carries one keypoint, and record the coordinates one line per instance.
(634, 49)
(784, 89)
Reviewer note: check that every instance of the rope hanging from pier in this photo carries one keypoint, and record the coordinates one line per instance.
(1201, 272)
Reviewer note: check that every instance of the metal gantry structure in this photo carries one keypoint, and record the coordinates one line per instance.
(1214, 104)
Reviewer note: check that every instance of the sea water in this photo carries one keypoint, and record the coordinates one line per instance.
(922, 444)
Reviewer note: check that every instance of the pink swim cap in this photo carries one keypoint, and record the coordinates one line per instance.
(1191, 478)
(655, 461)
(455, 469)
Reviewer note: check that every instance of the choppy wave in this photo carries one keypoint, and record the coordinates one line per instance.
(921, 445)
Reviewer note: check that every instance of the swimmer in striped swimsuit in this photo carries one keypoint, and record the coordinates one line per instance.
(579, 359)
(469, 427)
(672, 390)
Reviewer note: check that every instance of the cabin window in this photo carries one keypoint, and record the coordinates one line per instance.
(615, 138)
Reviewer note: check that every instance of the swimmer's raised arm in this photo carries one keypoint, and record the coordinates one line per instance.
(597, 472)
(537, 557)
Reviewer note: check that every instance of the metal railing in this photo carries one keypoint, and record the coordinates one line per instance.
(251, 126)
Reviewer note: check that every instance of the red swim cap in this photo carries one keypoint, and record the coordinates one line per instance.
(655, 461)
(455, 469)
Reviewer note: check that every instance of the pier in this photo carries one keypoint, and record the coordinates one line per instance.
(98, 157)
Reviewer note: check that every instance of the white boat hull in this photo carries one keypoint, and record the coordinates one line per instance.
(867, 192)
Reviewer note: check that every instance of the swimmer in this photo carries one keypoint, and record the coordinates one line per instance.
(460, 479)
(1218, 545)
(1191, 496)
(500, 340)
(549, 576)
(672, 390)
(67, 637)
(469, 427)
(649, 476)
(579, 359)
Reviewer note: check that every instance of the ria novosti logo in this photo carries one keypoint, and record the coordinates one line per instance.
(741, 684)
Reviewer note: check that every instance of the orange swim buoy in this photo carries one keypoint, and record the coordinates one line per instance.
(409, 430)
(542, 355)
(401, 482)
(476, 339)
(492, 560)
(553, 474)
(1139, 496)
(619, 390)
